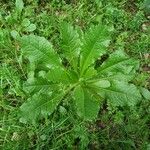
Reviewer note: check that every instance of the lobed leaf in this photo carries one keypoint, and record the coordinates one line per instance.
(87, 105)
(38, 50)
(118, 62)
(70, 44)
(94, 45)
(122, 93)
(40, 105)
(38, 85)
(118, 93)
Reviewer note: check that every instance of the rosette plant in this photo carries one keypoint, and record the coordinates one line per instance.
(73, 72)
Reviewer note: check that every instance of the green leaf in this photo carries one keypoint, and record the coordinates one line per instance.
(38, 85)
(87, 105)
(40, 105)
(102, 83)
(94, 45)
(117, 93)
(73, 76)
(79, 100)
(90, 72)
(119, 77)
(118, 62)
(57, 75)
(19, 5)
(38, 50)
(70, 44)
(122, 93)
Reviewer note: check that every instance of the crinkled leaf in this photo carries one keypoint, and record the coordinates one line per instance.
(39, 50)
(122, 93)
(87, 105)
(79, 100)
(118, 62)
(38, 85)
(119, 77)
(70, 43)
(117, 93)
(94, 45)
(40, 105)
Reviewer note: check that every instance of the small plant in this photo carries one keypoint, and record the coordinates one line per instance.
(74, 73)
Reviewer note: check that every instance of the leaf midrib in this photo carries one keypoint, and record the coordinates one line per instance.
(114, 64)
(91, 50)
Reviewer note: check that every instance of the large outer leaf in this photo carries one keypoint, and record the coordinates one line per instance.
(79, 100)
(39, 50)
(70, 44)
(40, 105)
(118, 62)
(87, 105)
(94, 45)
(39, 85)
(118, 69)
(121, 93)
(118, 93)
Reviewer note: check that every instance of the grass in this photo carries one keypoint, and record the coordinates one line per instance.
(123, 128)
